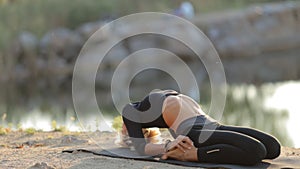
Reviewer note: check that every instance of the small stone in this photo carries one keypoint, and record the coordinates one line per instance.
(41, 165)
(148, 167)
(72, 139)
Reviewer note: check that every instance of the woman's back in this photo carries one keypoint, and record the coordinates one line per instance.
(178, 108)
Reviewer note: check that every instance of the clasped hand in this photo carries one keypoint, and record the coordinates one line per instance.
(176, 149)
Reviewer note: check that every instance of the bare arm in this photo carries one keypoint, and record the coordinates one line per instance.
(154, 149)
(182, 143)
(171, 104)
(171, 108)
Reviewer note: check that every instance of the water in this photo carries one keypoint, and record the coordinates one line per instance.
(286, 97)
(271, 107)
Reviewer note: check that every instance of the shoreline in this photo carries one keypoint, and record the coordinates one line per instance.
(44, 150)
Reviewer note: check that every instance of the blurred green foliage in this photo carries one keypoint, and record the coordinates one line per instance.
(39, 16)
(30, 131)
(117, 123)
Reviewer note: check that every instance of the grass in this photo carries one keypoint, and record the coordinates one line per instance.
(58, 128)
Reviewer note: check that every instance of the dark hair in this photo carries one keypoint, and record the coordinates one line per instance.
(145, 104)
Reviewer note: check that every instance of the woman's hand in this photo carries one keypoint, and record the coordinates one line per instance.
(183, 143)
(188, 155)
(174, 154)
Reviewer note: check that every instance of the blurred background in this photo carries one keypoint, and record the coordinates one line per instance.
(258, 42)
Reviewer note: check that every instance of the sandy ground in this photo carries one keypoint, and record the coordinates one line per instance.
(43, 150)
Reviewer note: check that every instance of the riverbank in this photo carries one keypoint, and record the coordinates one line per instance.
(39, 150)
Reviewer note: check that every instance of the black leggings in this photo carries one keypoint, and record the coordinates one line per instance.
(235, 145)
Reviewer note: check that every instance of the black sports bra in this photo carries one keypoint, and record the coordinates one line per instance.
(145, 114)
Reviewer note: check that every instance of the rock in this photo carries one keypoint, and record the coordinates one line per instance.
(61, 42)
(24, 50)
(96, 32)
(255, 30)
(58, 71)
(233, 36)
(148, 167)
(142, 41)
(72, 140)
(41, 165)
(21, 72)
(115, 56)
(257, 44)
(145, 77)
(26, 43)
(86, 30)
(103, 78)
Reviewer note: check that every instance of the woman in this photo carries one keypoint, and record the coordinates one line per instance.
(187, 124)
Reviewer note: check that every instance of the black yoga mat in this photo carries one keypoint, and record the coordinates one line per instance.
(126, 153)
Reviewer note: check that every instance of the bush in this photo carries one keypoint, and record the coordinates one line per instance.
(58, 128)
(3, 131)
(117, 123)
(30, 131)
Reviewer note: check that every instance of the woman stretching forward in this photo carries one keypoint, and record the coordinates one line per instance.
(198, 137)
